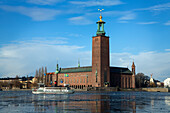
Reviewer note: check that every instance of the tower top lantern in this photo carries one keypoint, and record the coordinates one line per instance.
(100, 28)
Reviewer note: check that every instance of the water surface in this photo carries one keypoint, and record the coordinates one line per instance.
(85, 102)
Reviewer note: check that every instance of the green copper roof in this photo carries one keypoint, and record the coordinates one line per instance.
(89, 69)
(76, 69)
(120, 70)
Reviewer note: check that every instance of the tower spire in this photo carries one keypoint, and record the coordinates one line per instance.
(100, 28)
(57, 71)
(133, 67)
(78, 62)
(133, 74)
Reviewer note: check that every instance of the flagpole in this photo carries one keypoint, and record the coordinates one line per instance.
(64, 80)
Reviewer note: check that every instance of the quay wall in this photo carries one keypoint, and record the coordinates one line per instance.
(97, 89)
(156, 89)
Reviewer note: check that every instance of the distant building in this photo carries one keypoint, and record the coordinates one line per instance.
(167, 82)
(100, 74)
(20, 82)
(158, 83)
(151, 80)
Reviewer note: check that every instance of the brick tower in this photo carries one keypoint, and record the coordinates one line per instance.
(100, 57)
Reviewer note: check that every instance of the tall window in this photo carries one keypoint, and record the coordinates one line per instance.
(51, 79)
(87, 78)
(105, 76)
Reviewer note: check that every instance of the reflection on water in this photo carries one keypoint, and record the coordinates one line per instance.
(95, 102)
(167, 100)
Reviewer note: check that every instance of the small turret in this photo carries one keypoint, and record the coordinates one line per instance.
(133, 75)
(78, 63)
(57, 71)
(133, 68)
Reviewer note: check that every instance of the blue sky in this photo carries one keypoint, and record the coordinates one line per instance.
(36, 33)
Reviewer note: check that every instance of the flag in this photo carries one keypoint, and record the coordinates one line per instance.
(66, 75)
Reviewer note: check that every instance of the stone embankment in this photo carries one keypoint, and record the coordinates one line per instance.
(156, 89)
(121, 89)
(147, 89)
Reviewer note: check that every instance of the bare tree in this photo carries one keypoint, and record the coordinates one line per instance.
(36, 73)
(45, 70)
(45, 78)
(16, 83)
(39, 77)
(141, 80)
(1, 84)
(42, 76)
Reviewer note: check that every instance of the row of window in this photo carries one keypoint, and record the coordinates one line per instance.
(76, 80)
(74, 75)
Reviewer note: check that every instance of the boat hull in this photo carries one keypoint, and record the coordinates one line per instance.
(52, 90)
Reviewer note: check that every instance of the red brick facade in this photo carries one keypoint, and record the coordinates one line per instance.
(100, 60)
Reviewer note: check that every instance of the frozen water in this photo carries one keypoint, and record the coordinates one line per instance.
(85, 102)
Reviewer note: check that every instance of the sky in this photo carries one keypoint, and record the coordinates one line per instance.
(36, 33)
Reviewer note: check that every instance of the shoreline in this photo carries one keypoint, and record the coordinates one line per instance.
(109, 89)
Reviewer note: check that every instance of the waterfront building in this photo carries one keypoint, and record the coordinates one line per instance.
(18, 82)
(100, 74)
(151, 80)
(167, 82)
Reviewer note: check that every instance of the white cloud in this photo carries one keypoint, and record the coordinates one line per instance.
(123, 22)
(147, 22)
(167, 23)
(157, 7)
(25, 57)
(123, 16)
(146, 62)
(128, 16)
(167, 49)
(44, 2)
(80, 20)
(37, 14)
(97, 3)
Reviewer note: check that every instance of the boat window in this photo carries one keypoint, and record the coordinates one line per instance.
(41, 85)
(68, 88)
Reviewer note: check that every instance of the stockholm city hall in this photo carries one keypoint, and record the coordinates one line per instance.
(100, 74)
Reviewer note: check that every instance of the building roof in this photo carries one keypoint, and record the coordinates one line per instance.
(76, 69)
(89, 69)
(120, 70)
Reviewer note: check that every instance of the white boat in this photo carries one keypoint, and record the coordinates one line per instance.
(52, 90)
